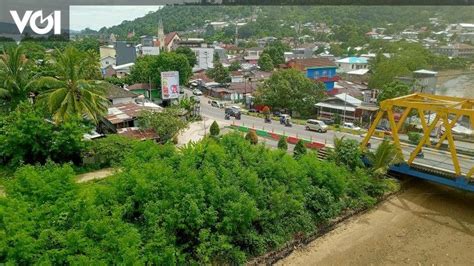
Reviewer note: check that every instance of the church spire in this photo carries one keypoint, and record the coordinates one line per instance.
(161, 34)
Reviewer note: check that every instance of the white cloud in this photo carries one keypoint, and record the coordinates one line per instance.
(96, 17)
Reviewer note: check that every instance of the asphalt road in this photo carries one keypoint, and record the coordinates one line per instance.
(434, 158)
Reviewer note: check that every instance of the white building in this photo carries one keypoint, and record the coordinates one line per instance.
(123, 70)
(150, 50)
(204, 57)
(107, 61)
(352, 63)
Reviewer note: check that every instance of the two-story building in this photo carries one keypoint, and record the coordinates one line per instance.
(317, 69)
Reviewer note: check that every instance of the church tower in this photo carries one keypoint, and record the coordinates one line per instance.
(161, 35)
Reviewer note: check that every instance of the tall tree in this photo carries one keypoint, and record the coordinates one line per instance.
(393, 90)
(72, 94)
(15, 82)
(190, 55)
(265, 62)
(219, 73)
(290, 89)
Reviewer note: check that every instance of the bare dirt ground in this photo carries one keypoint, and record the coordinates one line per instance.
(426, 224)
(99, 174)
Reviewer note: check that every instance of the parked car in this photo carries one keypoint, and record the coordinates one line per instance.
(316, 125)
(350, 126)
(253, 110)
(328, 121)
(197, 92)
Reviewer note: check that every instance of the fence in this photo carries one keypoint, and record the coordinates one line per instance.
(275, 136)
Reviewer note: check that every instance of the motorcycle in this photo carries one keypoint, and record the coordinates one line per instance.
(227, 117)
(268, 120)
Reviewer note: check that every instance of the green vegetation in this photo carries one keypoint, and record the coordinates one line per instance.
(282, 143)
(166, 123)
(219, 73)
(15, 78)
(188, 53)
(300, 149)
(386, 155)
(148, 68)
(290, 89)
(27, 137)
(265, 62)
(107, 152)
(207, 203)
(414, 137)
(252, 137)
(214, 130)
(393, 90)
(346, 153)
(75, 92)
(405, 58)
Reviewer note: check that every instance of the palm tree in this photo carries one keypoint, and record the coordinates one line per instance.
(188, 104)
(73, 93)
(15, 82)
(386, 155)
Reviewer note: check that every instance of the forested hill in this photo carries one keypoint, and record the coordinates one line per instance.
(277, 21)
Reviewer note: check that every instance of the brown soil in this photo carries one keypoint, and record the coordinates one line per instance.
(426, 224)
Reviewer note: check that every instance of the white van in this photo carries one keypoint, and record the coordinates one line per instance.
(316, 125)
(350, 126)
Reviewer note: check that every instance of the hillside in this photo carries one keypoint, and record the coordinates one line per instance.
(277, 21)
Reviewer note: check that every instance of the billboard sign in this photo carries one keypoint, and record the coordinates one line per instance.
(169, 85)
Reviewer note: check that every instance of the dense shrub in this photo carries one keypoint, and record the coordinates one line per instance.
(108, 151)
(208, 203)
(282, 143)
(414, 137)
(347, 153)
(214, 130)
(27, 137)
(252, 137)
(300, 149)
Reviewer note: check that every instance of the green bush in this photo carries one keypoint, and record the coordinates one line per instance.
(347, 153)
(300, 149)
(214, 130)
(252, 137)
(414, 137)
(206, 203)
(27, 137)
(108, 151)
(282, 143)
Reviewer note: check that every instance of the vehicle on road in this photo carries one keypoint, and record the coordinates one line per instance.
(285, 120)
(197, 92)
(316, 125)
(348, 125)
(217, 104)
(231, 111)
(384, 130)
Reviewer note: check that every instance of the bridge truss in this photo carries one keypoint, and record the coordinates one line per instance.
(448, 111)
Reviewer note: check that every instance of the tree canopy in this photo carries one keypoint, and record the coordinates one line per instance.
(148, 68)
(290, 89)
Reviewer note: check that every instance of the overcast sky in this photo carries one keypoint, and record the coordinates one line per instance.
(96, 17)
